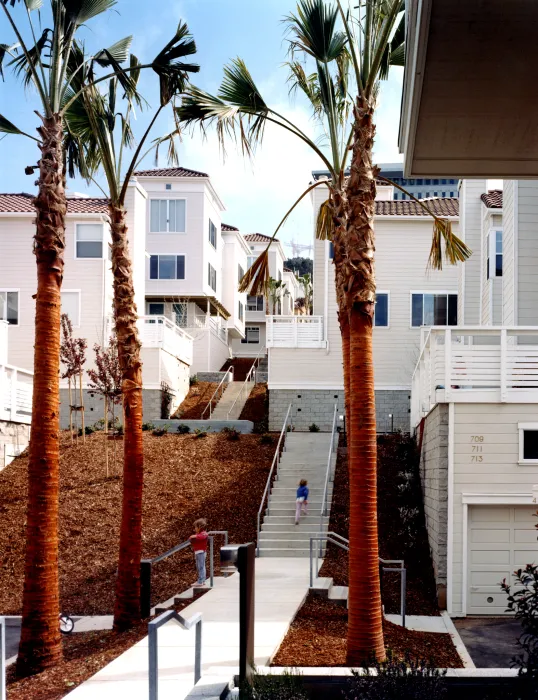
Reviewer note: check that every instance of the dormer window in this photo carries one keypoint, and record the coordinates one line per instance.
(167, 215)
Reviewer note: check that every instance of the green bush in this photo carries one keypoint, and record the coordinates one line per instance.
(231, 433)
(119, 430)
(313, 428)
(159, 432)
(193, 380)
(397, 680)
(146, 427)
(183, 429)
(288, 686)
(200, 432)
(267, 439)
(89, 430)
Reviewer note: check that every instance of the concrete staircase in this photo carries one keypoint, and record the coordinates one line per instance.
(305, 457)
(325, 588)
(230, 394)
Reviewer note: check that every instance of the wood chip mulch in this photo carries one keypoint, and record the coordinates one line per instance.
(317, 637)
(195, 403)
(185, 478)
(85, 653)
(402, 526)
(256, 408)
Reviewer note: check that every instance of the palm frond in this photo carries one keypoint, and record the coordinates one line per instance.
(308, 84)
(314, 30)
(119, 52)
(455, 250)
(174, 73)
(8, 127)
(21, 64)
(325, 221)
(78, 12)
(6, 49)
(34, 4)
(256, 278)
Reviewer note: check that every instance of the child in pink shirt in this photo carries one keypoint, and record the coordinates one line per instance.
(199, 546)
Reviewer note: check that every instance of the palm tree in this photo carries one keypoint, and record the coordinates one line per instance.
(98, 133)
(367, 46)
(276, 290)
(44, 61)
(308, 290)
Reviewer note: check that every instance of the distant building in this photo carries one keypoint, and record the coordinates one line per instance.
(419, 187)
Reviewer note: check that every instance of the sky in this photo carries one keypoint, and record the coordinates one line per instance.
(257, 192)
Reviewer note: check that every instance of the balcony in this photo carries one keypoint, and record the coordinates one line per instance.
(160, 332)
(482, 364)
(295, 332)
(16, 388)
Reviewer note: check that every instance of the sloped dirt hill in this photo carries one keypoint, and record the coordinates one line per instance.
(195, 403)
(256, 408)
(185, 478)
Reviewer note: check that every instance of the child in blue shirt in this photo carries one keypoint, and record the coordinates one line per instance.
(301, 504)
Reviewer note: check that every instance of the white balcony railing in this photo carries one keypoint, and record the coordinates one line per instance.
(16, 388)
(295, 332)
(160, 332)
(480, 364)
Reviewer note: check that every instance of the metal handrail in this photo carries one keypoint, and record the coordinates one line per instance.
(146, 566)
(251, 371)
(230, 370)
(153, 627)
(339, 541)
(329, 472)
(2, 658)
(275, 462)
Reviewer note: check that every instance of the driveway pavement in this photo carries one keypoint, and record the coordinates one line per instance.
(491, 641)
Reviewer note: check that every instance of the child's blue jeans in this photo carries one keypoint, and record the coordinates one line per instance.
(200, 566)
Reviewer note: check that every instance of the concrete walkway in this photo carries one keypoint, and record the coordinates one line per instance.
(281, 586)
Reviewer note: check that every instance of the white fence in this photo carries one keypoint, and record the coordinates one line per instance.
(295, 332)
(480, 364)
(16, 386)
(160, 332)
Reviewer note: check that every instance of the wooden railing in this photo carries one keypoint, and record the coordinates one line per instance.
(295, 332)
(160, 332)
(480, 364)
(16, 388)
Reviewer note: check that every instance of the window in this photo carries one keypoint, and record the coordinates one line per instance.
(167, 267)
(168, 187)
(435, 194)
(427, 182)
(254, 303)
(331, 250)
(212, 234)
(528, 443)
(241, 310)
(252, 334)
(155, 309)
(240, 274)
(89, 241)
(439, 309)
(381, 313)
(9, 307)
(435, 182)
(452, 194)
(279, 276)
(71, 306)
(180, 312)
(419, 195)
(443, 194)
(212, 277)
(495, 254)
(251, 260)
(420, 181)
(443, 182)
(395, 195)
(167, 216)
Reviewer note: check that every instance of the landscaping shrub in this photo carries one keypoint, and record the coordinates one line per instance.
(159, 432)
(183, 429)
(313, 428)
(397, 680)
(200, 432)
(288, 686)
(231, 433)
(193, 380)
(119, 430)
(166, 400)
(146, 427)
(523, 601)
(266, 439)
(89, 430)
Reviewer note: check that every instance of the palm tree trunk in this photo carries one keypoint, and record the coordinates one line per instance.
(40, 646)
(365, 626)
(127, 605)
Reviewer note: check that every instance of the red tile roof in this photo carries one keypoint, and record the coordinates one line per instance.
(228, 227)
(170, 172)
(258, 238)
(493, 199)
(441, 206)
(22, 203)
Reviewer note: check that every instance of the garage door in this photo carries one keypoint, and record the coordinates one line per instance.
(501, 539)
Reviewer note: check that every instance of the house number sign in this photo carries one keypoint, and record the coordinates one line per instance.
(476, 448)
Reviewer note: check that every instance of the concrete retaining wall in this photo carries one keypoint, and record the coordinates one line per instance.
(434, 477)
(212, 426)
(210, 376)
(14, 437)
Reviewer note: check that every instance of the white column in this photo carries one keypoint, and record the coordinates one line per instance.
(14, 380)
(295, 333)
(503, 365)
(448, 363)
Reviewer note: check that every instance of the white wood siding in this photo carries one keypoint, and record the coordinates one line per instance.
(471, 206)
(491, 470)
(509, 251)
(527, 287)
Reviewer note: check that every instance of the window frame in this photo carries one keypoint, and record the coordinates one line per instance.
(90, 223)
(241, 311)
(387, 293)
(435, 292)
(168, 200)
(214, 245)
(79, 293)
(240, 273)
(245, 340)
(522, 427)
(154, 303)
(17, 291)
(491, 245)
(209, 276)
(167, 279)
(257, 297)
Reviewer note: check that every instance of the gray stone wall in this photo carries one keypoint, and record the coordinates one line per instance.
(434, 476)
(317, 406)
(94, 407)
(13, 436)
(210, 376)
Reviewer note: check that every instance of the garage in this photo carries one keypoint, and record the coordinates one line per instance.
(501, 539)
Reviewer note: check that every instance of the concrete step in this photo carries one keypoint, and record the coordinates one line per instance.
(290, 535)
(290, 510)
(322, 586)
(311, 528)
(339, 594)
(303, 552)
(288, 543)
(291, 499)
(290, 492)
(274, 519)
